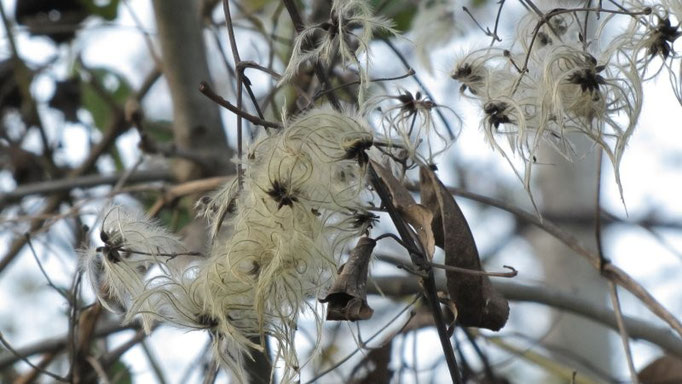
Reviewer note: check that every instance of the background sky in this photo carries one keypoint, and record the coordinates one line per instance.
(651, 175)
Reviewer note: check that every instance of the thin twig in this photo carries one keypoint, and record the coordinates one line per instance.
(42, 270)
(240, 85)
(364, 344)
(420, 261)
(497, 23)
(420, 84)
(145, 35)
(484, 359)
(153, 362)
(486, 30)
(603, 261)
(243, 65)
(662, 336)
(321, 93)
(27, 361)
(597, 215)
(397, 240)
(319, 68)
(466, 271)
(624, 338)
(610, 271)
(208, 92)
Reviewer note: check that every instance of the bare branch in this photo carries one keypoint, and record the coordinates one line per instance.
(393, 286)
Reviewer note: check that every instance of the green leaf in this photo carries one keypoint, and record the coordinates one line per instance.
(401, 13)
(251, 6)
(108, 87)
(161, 131)
(119, 373)
(106, 9)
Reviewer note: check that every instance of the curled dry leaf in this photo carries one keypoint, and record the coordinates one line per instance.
(664, 370)
(478, 303)
(418, 216)
(348, 296)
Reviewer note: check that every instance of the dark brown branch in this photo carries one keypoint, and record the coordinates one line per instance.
(420, 261)
(208, 92)
(240, 86)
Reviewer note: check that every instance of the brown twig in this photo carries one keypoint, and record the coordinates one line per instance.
(184, 189)
(624, 338)
(23, 358)
(610, 271)
(208, 92)
(396, 286)
(428, 94)
(364, 344)
(320, 71)
(420, 261)
(513, 272)
(240, 85)
(321, 93)
(116, 127)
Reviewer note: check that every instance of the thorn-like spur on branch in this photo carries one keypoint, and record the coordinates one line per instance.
(512, 271)
(208, 92)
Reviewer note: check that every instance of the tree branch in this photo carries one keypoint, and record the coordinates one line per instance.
(395, 286)
(208, 92)
(58, 343)
(609, 271)
(88, 181)
(197, 126)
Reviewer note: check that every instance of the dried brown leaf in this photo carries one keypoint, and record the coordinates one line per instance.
(418, 216)
(348, 296)
(478, 303)
(664, 370)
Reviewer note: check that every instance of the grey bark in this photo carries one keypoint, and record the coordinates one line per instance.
(197, 126)
(196, 120)
(569, 188)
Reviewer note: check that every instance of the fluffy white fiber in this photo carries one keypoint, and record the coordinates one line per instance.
(275, 253)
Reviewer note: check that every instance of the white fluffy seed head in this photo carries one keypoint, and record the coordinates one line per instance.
(336, 34)
(118, 269)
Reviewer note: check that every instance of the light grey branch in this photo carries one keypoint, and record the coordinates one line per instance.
(88, 181)
(197, 125)
(637, 329)
(58, 343)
